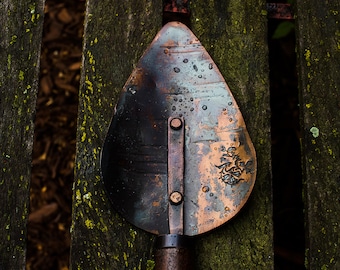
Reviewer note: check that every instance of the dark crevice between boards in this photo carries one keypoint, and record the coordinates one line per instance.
(288, 217)
(48, 245)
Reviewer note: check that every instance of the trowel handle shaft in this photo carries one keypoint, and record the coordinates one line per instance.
(173, 252)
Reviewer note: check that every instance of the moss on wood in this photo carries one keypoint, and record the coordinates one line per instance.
(319, 60)
(116, 35)
(234, 33)
(20, 31)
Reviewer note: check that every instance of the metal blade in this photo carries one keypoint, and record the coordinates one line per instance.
(176, 78)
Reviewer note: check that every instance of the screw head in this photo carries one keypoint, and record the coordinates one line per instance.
(176, 123)
(176, 198)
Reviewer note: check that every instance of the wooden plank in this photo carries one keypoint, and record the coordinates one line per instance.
(116, 35)
(319, 61)
(234, 33)
(20, 32)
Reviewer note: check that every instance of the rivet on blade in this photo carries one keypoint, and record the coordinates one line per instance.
(176, 197)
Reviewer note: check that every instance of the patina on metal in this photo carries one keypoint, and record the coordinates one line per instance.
(280, 11)
(176, 142)
(176, 6)
(178, 159)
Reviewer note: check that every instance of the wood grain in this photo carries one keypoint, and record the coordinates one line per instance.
(234, 33)
(116, 35)
(319, 82)
(20, 32)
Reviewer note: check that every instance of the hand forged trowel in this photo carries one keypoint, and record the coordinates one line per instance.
(177, 160)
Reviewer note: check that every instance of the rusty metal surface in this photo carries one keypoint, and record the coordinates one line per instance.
(280, 11)
(179, 6)
(176, 143)
(176, 78)
(173, 259)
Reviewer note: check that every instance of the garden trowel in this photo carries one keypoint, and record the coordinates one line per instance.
(177, 160)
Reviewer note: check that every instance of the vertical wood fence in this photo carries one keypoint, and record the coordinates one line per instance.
(318, 43)
(116, 35)
(20, 38)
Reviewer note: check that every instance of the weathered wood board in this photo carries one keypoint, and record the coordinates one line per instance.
(318, 37)
(20, 37)
(116, 35)
(235, 35)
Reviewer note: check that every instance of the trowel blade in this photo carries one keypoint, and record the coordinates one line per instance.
(176, 77)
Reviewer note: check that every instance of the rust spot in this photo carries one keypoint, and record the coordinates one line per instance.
(280, 11)
(156, 204)
(178, 6)
(205, 189)
(158, 181)
(136, 77)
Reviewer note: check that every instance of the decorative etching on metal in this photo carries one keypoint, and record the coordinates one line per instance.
(232, 166)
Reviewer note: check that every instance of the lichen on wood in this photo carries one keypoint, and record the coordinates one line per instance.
(318, 39)
(116, 35)
(234, 33)
(21, 29)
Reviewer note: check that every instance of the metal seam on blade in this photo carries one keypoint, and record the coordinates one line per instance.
(176, 173)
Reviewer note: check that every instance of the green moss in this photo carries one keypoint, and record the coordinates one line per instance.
(315, 132)
(330, 152)
(335, 132)
(150, 264)
(13, 39)
(308, 57)
(9, 61)
(125, 257)
(236, 42)
(21, 75)
(89, 224)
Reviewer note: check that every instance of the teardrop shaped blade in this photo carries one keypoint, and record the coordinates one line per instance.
(188, 176)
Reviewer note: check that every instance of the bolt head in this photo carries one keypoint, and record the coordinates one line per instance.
(176, 198)
(176, 123)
